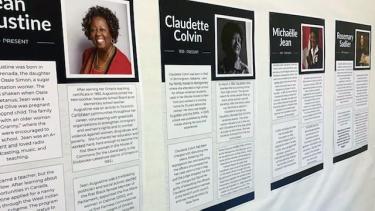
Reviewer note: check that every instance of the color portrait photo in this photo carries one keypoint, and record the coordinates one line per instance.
(99, 39)
(362, 49)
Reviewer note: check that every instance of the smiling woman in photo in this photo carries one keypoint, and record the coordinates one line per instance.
(101, 27)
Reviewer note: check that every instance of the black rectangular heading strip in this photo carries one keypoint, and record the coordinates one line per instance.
(231, 203)
(290, 41)
(296, 177)
(349, 154)
(348, 44)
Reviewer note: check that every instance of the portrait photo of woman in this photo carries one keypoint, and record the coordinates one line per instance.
(100, 41)
(231, 41)
(362, 49)
(101, 27)
(233, 47)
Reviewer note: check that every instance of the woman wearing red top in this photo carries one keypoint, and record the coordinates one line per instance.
(101, 26)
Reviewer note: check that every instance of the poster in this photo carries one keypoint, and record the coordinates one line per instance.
(353, 63)
(207, 56)
(70, 109)
(297, 66)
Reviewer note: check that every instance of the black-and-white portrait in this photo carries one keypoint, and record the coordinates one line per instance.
(233, 47)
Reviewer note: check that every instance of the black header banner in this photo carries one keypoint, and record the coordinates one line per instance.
(293, 38)
(195, 33)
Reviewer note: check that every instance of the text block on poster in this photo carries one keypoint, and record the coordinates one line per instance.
(190, 174)
(285, 148)
(235, 110)
(235, 169)
(103, 125)
(188, 93)
(116, 190)
(29, 112)
(33, 189)
(284, 90)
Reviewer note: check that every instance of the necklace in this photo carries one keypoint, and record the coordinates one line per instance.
(103, 67)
